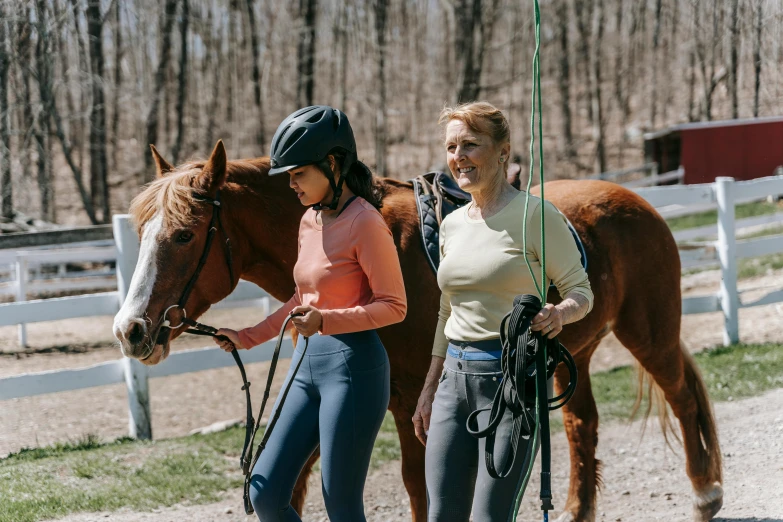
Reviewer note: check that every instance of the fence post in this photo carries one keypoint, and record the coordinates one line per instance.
(727, 255)
(136, 374)
(21, 294)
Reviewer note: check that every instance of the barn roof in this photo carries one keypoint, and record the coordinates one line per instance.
(711, 124)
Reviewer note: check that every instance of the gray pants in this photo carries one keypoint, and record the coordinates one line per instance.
(457, 478)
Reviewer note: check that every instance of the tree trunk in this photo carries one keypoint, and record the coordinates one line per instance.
(115, 116)
(381, 11)
(182, 84)
(469, 48)
(6, 187)
(599, 123)
(160, 77)
(77, 125)
(584, 16)
(43, 68)
(306, 54)
(344, 58)
(733, 58)
(757, 56)
(256, 73)
(99, 187)
(564, 79)
(25, 58)
(654, 80)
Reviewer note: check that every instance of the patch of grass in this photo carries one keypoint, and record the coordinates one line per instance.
(90, 475)
(737, 371)
(710, 217)
(757, 266)
(772, 231)
(93, 476)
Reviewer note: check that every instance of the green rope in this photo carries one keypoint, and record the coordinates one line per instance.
(535, 106)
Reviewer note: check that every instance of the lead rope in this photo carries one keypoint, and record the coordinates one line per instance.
(541, 425)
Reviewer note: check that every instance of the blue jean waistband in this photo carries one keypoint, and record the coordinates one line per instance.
(489, 350)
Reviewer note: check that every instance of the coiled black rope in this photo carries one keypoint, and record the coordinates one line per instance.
(528, 361)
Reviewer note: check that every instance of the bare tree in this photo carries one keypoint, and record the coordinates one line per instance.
(733, 57)
(77, 124)
(43, 61)
(99, 187)
(584, 16)
(475, 24)
(251, 20)
(564, 79)
(759, 18)
(160, 77)
(599, 122)
(655, 44)
(24, 59)
(182, 84)
(306, 53)
(381, 12)
(7, 195)
(118, 55)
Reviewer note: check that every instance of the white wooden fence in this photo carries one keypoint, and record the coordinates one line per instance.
(725, 193)
(726, 250)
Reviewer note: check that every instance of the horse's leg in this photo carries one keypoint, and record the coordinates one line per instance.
(300, 488)
(412, 461)
(580, 418)
(659, 350)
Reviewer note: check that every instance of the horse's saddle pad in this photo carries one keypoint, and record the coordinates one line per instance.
(438, 195)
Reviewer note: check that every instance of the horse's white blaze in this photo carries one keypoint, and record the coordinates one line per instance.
(143, 281)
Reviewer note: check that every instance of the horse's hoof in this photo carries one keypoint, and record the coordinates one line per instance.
(707, 503)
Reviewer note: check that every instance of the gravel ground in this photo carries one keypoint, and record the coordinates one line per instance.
(643, 479)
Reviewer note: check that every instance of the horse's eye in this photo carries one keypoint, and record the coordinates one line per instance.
(185, 237)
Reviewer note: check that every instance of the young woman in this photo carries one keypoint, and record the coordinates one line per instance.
(348, 284)
(482, 268)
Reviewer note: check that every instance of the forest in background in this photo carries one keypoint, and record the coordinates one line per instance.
(87, 85)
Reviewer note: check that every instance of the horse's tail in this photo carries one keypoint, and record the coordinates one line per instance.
(705, 417)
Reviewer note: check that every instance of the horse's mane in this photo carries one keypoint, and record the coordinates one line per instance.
(175, 193)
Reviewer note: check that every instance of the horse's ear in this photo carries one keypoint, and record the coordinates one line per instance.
(513, 175)
(163, 166)
(213, 175)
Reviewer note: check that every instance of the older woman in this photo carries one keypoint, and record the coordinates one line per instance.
(482, 268)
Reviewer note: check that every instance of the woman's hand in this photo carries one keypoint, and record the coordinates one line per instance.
(309, 323)
(421, 417)
(233, 340)
(549, 321)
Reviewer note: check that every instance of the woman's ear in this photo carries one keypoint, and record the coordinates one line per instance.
(333, 164)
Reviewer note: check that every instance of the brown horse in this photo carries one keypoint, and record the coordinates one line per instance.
(634, 270)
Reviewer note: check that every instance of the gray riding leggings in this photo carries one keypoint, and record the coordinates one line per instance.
(457, 478)
(338, 400)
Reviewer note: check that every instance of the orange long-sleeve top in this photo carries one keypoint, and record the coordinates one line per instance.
(349, 270)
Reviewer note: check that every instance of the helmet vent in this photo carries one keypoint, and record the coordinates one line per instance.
(292, 139)
(315, 118)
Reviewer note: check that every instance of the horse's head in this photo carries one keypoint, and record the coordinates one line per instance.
(173, 216)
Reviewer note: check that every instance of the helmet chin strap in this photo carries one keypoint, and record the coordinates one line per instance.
(337, 187)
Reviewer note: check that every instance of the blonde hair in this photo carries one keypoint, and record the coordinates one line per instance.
(481, 117)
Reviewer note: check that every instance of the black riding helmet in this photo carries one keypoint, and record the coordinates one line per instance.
(307, 136)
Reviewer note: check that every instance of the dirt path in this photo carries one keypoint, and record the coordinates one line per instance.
(643, 480)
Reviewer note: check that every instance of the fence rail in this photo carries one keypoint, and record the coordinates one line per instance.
(725, 251)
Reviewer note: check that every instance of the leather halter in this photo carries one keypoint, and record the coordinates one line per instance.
(249, 456)
(215, 226)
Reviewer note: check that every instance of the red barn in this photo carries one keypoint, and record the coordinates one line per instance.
(742, 149)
